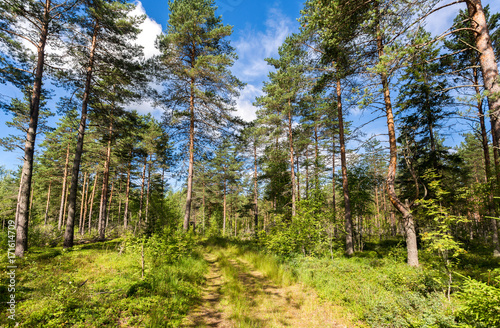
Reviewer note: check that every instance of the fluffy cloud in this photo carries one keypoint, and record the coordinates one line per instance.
(150, 30)
(253, 46)
(244, 106)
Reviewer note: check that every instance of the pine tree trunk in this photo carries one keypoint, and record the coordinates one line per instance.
(255, 192)
(92, 201)
(70, 226)
(148, 189)
(109, 204)
(82, 231)
(48, 203)
(141, 200)
(349, 243)
(298, 177)
(316, 158)
(127, 196)
(31, 201)
(307, 172)
(408, 223)
(105, 183)
(81, 222)
(191, 161)
(22, 212)
(65, 205)
(224, 211)
(334, 205)
(292, 171)
(487, 59)
(63, 192)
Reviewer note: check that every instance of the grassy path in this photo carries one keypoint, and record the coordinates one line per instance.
(237, 294)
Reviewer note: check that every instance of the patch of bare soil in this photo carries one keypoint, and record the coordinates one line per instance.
(265, 303)
(209, 313)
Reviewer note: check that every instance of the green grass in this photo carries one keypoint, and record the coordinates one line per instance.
(96, 285)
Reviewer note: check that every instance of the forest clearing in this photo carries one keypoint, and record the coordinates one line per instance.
(250, 164)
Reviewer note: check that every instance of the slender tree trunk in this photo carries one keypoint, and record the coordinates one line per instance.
(334, 205)
(203, 203)
(487, 165)
(86, 206)
(224, 211)
(18, 206)
(316, 158)
(48, 203)
(409, 225)
(349, 244)
(31, 201)
(81, 223)
(120, 197)
(64, 188)
(191, 161)
(22, 213)
(127, 196)
(141, 200)
(307, 172)
(70, 226)
(65, 205)
(292, 171)
(148, 188)
(105, 183)
(255, 192)
(92, 201)
(298, 177)
(109, 204)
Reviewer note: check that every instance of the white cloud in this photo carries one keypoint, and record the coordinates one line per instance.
(150, 30)
(244, 106)
(254, 46)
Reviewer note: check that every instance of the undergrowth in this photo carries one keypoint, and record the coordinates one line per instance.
(102, 284)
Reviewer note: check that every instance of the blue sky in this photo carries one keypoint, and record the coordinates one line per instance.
(260, 27)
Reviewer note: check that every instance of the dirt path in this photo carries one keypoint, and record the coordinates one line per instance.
(236, 295)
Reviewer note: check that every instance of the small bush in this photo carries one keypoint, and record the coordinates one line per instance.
(481, 304)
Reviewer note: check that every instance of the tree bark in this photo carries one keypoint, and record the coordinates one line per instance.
(189, 194)
(105, 182)
(48, 203)
(408, 223)
(148, 188)
(224, 211)
(63, 192)
(487, 59)
(127, 194)
(349, 244)
(70, 226)
(109, 204)
(89, 228)
(141, 200)
(292, 171)
(81, 222)
(255, 191)
(22, 213)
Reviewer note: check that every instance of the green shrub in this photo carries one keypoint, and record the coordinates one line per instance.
(481, 303)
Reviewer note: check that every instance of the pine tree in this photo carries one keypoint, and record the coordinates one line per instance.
(109, 27)
(43, 21)
(196, 56)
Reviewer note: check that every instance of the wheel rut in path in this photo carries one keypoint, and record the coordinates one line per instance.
(237, 295)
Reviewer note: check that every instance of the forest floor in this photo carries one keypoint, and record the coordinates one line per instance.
(236, 294)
